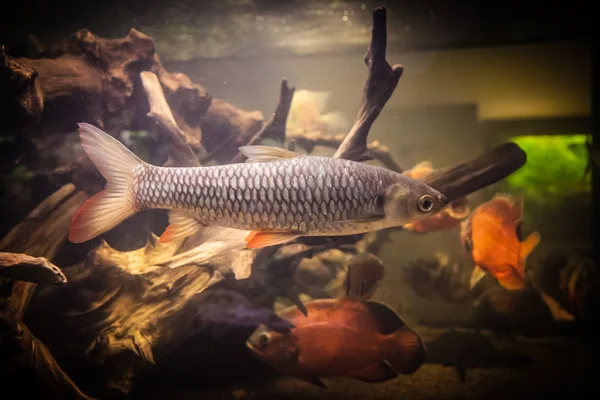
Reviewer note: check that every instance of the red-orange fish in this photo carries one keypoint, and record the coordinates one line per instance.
(447, 219)
(492, 235)
(341, 338)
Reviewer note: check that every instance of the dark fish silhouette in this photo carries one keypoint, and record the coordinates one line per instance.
(465, 351)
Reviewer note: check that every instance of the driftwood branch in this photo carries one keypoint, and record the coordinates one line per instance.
(181, 153)
(479, 172)
(275, 128)
(375, 150)
(25, 360)
(22, 267)
(381, 83)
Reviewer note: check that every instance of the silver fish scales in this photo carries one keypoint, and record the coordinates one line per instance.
(278, 194)
(314, 195)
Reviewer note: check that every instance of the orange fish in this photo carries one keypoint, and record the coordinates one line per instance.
(492, 235)
(447, 219)
(341, 338)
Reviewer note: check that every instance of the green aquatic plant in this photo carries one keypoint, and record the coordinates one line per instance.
(555, 168)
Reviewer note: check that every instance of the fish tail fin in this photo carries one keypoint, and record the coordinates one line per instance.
(114, 204)
(408, 351)
(527, 247)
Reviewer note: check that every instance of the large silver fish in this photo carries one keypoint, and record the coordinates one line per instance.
(277, 194)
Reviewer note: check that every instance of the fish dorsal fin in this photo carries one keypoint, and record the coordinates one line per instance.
(261, 153)
(181, 225)
(518, 209)
(385, 318)
(364, 274)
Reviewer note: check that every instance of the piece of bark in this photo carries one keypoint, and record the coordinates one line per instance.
(181, 154)
(22, 267)
(381, 83)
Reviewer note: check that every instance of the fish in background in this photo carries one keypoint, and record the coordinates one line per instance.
(437, 277)
(491, 234)
(449, 218)
(341, 338)
(277, 194)
(360, 279)
(567, 283)
(306, 114)
(471, 350)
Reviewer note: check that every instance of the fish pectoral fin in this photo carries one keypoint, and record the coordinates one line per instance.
(266, 153)
(314, 380)
(181, 225)
(374, 218)
(259, 239)
(527, 247)
(477, 274)
(378, 372)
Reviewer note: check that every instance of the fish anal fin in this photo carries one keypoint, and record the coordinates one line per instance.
(259, 153)
(477, 274)
(313, 380)
(377, 372)
(260, 239)
(181, 225)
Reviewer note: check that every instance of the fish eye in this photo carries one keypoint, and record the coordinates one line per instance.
(263, 339)
(426, 203)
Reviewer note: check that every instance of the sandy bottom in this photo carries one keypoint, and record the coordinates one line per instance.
(559, 367)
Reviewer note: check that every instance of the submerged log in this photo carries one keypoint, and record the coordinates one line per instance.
(25, 361)
(91, 79)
